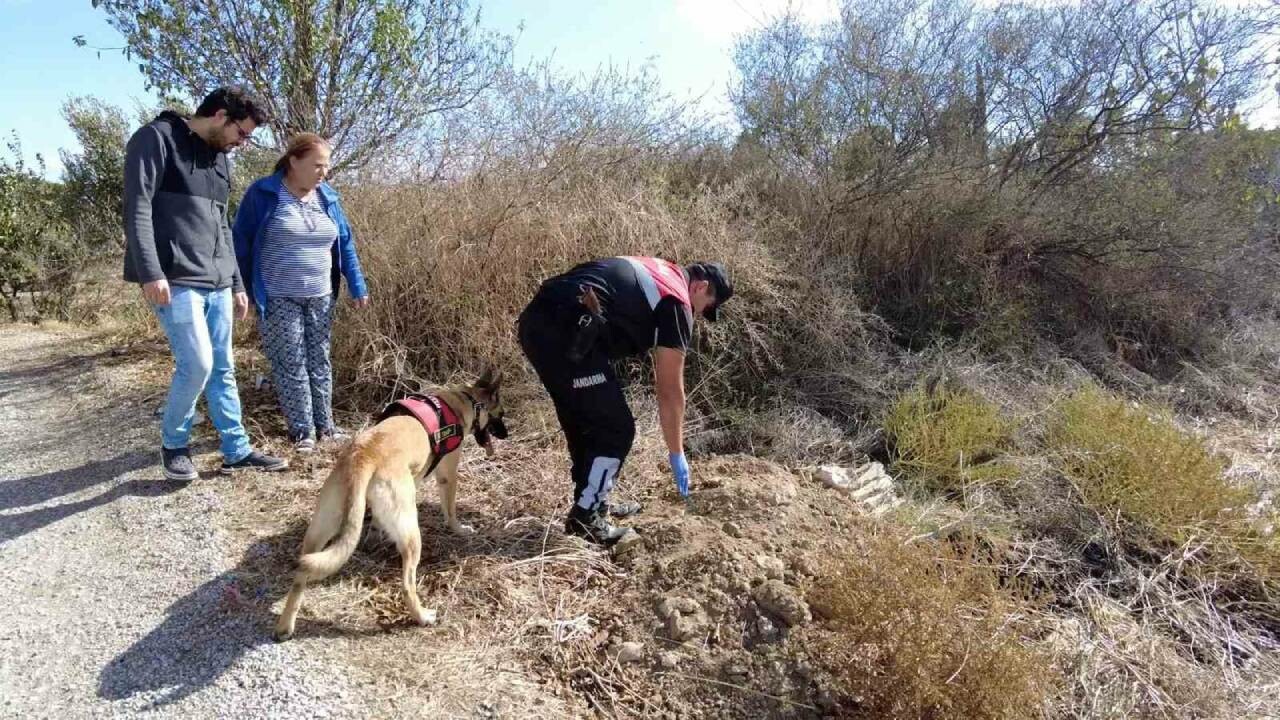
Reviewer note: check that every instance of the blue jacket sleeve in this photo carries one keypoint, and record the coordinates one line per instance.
(244, 231)
(350, 261)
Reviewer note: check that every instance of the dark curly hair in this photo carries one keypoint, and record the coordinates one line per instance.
(238, 102)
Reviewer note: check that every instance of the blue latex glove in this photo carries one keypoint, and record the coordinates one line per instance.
(680, 471)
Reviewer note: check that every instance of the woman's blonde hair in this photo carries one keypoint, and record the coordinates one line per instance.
(299, 145)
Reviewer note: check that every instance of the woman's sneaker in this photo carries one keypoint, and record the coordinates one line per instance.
(255, 461)
(178, 465)
(333, 435)
(303, 443)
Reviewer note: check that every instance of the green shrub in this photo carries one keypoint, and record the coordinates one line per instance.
(33, 237)
(1135, 462)
(947, 439)
(1160, 483)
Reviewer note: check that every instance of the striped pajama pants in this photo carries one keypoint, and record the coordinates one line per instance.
(295, 337)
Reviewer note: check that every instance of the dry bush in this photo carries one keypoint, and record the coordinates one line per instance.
(928, 631)
(947, 439)
(1241, 377)
(451, 267)
(1136, 462)
(944, 260)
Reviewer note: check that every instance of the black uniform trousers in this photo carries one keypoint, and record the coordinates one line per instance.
(598, 426)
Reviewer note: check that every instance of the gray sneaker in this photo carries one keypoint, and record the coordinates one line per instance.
(255, 461)
(334, 435)
(177, 464)
(303, 444)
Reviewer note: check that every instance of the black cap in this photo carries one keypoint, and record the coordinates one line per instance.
(714, 273)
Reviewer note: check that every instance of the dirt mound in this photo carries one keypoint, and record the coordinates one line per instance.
(714, 591)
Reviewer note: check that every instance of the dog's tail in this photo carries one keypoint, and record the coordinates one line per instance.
(320, 565)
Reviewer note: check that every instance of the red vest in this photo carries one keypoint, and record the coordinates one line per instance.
(443, 426)
(661, 279)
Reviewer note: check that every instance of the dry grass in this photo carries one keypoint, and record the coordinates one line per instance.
(451, 267)
(928, 631)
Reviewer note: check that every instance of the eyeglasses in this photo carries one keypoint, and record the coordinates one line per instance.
(244, 135)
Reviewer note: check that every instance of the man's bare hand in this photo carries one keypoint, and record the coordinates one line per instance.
(156, 292)
(242, 305)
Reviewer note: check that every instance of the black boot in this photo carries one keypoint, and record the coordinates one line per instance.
(623, 508)
(593, 527)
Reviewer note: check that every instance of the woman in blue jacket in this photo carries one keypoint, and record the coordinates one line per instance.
(294, 247)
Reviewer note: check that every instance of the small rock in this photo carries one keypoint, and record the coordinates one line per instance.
(626, 547)
(762, 630)
(736, 668)
(731, 530)
(804, 566)
(667, 608)
(774, 569)
(673, 604)
(669, 660)
(630, 652)
(681, 627)
(687, 605)
(776, 598)
(833, 476)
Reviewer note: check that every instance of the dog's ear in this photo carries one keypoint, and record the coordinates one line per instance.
(490, 380)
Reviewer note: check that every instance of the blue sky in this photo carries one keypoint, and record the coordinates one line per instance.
(688, 42)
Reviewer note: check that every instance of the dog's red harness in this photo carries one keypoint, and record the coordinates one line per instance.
(443, 426)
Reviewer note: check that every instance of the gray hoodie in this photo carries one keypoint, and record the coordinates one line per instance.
(175, 208)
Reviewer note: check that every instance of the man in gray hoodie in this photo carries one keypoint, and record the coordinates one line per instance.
(177, 181)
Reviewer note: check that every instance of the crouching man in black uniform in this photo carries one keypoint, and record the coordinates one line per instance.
(599, 311)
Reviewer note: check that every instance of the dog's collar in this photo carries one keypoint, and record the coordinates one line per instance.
(476, 407)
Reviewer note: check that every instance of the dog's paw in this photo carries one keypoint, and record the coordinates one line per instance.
(462, 529)
(426, 617)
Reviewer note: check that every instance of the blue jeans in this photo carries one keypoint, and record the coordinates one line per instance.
(198, 325)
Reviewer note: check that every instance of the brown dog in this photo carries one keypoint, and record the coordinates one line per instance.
(381, 467)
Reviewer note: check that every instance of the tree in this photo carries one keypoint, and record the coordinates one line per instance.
(1028, 89)
(93, 178)
(31, 230)
(1068, 83)
(361, 73)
